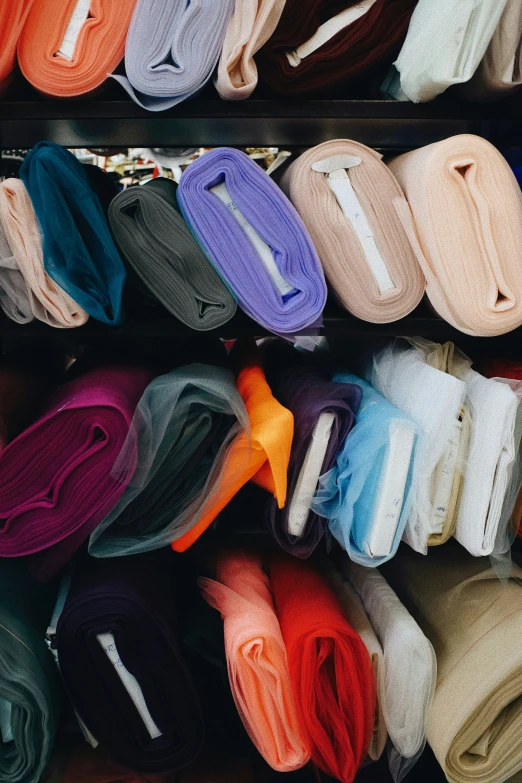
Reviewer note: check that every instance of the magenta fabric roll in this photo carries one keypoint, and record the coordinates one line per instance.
(55, 478)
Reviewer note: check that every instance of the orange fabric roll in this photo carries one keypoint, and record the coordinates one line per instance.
(261, 455)
(12, 17)
(65, 59)
(330, 668)
(256, 659)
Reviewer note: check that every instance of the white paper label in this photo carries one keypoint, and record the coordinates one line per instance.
(78, 19)
(443, 478)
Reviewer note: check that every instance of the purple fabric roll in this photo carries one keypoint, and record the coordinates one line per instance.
(238, 229)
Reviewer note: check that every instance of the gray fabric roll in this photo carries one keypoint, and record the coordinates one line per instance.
(15, 296)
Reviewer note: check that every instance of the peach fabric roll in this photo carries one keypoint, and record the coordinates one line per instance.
(251, 25)
(467, 208)
(361, 226)
(68, 47)
(49, 303)
(256, 659)
(12, 17)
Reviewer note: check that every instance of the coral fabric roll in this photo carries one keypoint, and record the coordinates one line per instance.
(371, 37)
(256, 659)
(251, 25)
(330, 668)
(79, 252)
(13, 14)
(255, 239)
(172, 49)
(55, 481)
(49, 302)
(158, 245)
(467, 209)
(371, 265)
(65, 53)
(474, 621)
(121, 663)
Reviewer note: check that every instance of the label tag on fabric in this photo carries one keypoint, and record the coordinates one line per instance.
(130, 682)
(78, 19)
(328, 30)
(390, 500)
(443, 478)
(339, 183)
(264, 251)
(6, 728)
(309, 474)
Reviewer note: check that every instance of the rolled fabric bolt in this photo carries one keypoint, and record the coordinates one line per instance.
(172, 49)
(361, 225)
(262, 249)
(12, 17)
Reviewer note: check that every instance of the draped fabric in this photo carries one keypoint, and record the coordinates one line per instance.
(256, 659)
(48, 302)
(474, 621)
(29, 688)
(467, 209)
(182, 427)
(444, 46)
(157, 243)
(255, 239)
(371, 32)
(330, 668)
(12, 17)
(69, 48)
(251, 25)
(79, 253)
(355, 212)
(15, 294)
(120, 660)
(55, 480)
(172, 49)
(366, 502)
(260, 452)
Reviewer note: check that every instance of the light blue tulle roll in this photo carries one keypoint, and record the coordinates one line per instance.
(348, 493)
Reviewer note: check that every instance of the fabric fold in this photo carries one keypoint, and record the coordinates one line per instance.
(12, 17)
(255, 239)
(15, 294)
(354, 209)
(467, 209)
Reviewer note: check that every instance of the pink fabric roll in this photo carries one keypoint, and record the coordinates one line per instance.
(49, 302)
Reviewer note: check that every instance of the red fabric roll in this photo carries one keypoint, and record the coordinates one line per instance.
(329, 666)
(373, 37)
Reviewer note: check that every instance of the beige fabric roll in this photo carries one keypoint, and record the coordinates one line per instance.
(361, 235)
(474, 622)
(467, 208)
(49, 302)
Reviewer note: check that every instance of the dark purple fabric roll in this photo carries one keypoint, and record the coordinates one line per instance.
(134, 599)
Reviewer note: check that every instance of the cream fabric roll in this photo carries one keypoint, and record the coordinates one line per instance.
(361, 225)
(251, 25)
(467, 208)
(475, 624)
(49, 303)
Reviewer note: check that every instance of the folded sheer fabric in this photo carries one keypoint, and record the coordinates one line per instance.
(157, 243)
(172, 49)
(12, 17)
(69, 48)
(15, 294)
(433, 399)
(330, 669)
(256, 659)
(444, 46)
(474, 621)
(55, 478)
(48, 302)
(311, 397)
(260, 452)
(321, 43)
(181, 430)
(355, 212)
(367, 495)
(29, 687)
(255, 239)
(121, 663)
(467, 209)
(410, 666)
(250, 26)
(79, 252)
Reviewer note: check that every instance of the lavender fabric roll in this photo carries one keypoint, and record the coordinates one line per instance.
(172, 49)
(255, 239)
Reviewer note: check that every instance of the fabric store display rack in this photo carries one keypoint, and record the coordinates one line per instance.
(387, 126)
